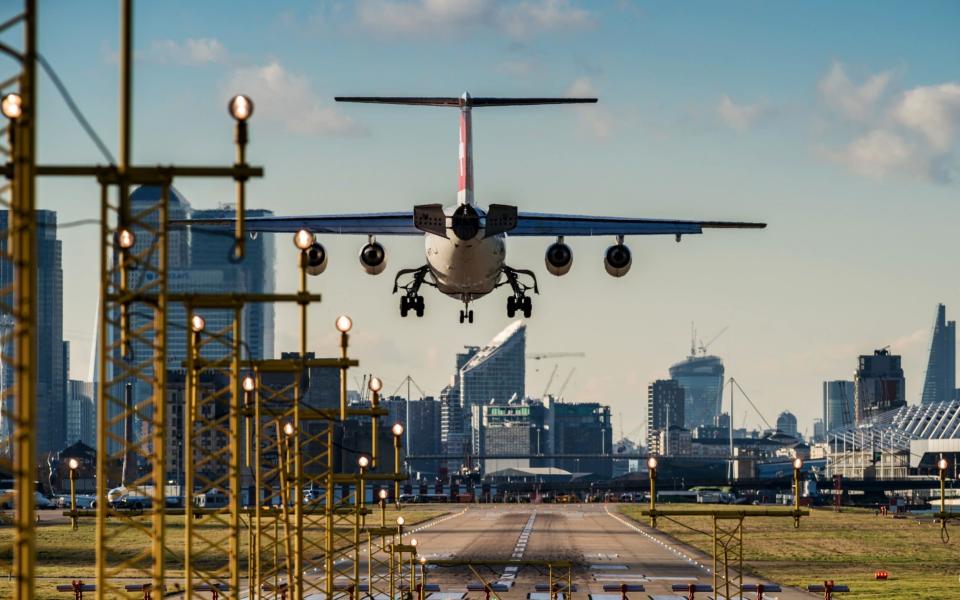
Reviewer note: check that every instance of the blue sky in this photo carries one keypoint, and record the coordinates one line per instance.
(838, 124)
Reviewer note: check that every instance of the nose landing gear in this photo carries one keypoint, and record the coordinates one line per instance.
(466, 315)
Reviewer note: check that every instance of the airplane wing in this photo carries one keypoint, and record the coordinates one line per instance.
(545, 224)
(388, 223)
(528, 224)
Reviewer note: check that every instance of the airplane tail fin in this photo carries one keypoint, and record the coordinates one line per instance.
(465, 103)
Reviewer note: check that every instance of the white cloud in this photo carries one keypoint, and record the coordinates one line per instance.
(914, 133)
(740, 116)
(853, 101)
(192, 51)
(594, 120)
(933, 111)
(520, 68)
(289, 99)
(879, 153)
(520, 20)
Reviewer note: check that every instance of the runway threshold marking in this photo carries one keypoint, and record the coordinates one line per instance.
(671, 548)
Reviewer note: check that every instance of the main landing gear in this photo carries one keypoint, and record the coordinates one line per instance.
(411, 299)
(519, 301)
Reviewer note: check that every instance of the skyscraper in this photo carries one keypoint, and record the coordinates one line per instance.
(787, 423)
(496, 373)
(51, 417)
(210, 250)
(578, 428)
(81, 413)
(941, 381)
(701, 378)
(453, 423)
(838, 404)
(665, 404)
(879, 385)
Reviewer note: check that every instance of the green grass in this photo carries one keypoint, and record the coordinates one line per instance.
(847, 547)
(64, 554)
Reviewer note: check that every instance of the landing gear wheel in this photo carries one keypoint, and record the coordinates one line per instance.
(418, 305)
(527, 306)
(470, 316)
(404, 307)
(511, 307)
(462, 317)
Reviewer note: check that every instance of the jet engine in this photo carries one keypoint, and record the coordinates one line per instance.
(373, 257)
(617, 259)
(559, 258)
(316, 259)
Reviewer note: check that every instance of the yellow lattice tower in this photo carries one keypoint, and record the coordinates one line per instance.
(212, 445)
(273, 523)
(18, 299)
(380, 541)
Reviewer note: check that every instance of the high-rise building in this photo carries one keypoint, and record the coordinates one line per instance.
(879, 385)
(838, 404)
(940, 384)
(578, 428)
(496, 372)
(81, 413)
(819, 430)
(787, 423)
(51, 417)
(701, 377)
(665, 407)
(454, 424)
(514, 428)
(211, 250)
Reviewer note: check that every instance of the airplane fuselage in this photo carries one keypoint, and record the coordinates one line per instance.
(465, 269)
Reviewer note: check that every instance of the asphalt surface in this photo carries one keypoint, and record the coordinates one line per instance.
(604, 547)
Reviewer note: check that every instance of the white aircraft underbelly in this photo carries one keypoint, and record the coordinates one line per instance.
(465, 269)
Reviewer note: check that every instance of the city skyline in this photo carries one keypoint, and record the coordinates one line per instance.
(676, 134)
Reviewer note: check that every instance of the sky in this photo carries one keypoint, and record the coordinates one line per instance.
(838, 124)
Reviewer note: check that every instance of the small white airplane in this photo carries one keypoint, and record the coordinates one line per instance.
(465, 244)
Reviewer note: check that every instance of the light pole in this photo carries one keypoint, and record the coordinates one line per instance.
(797, 465)
(652, 466)
(382, 495)
(374, 385)
(942, 465)
(397, 430)
(344, 324)
(74, 464)
(363, 462)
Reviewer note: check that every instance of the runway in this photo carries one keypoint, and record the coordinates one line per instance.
(605, 548)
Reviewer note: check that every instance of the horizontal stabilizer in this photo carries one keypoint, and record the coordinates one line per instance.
(461, 101)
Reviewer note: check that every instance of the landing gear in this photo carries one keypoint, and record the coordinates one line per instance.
(408, 303)
(519, 301)
(412, 300)
(466, 315)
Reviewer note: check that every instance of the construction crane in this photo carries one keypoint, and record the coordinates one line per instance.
(408, 380)
(702, 348)
(565, 382)
(543, 355)
(549, 381)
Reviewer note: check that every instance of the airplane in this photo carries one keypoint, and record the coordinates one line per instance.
(465, 244)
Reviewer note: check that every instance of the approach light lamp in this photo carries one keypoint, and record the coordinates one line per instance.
(303, 239)
(197, 323)
(382, 494)
(249, 384)
(344, 323)
(797, 463)
(12, 106)
(401, 521)
(288, 428)
(74, 464)
(364, 462)
(413, 541)
(397, 429)
(942, 464)
(375, 384)
(126, 238)
(240, 107)
(652, 463)
(423, 560)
